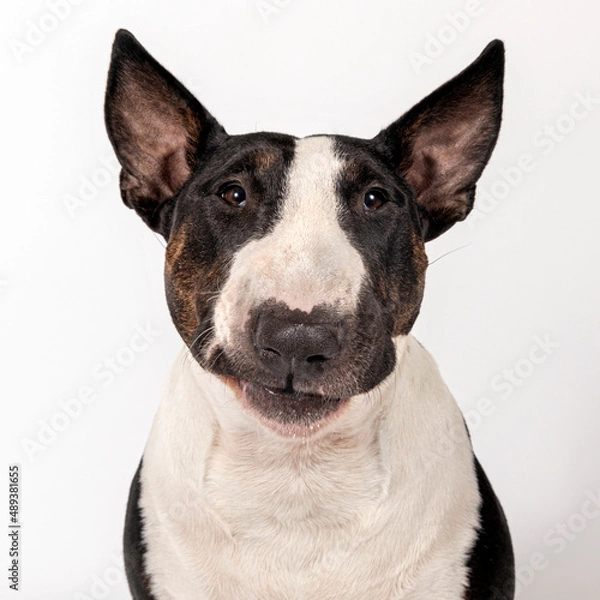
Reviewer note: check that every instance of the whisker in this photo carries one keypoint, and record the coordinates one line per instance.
(202, 334)
(214, 360)
(159, 239)
(449, 252)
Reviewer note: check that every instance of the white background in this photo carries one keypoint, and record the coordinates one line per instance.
(74, 284)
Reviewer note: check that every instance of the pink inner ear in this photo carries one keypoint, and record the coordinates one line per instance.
(176, 169)
(158, 126)
(161, 155)
(443, 162)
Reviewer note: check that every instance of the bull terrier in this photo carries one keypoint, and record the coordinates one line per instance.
(305, 446)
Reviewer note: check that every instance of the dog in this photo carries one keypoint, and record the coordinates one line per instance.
(305, 446)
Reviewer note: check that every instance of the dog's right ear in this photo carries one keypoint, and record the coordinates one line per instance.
(157, 128)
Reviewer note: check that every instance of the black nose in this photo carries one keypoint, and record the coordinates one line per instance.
(288, 347)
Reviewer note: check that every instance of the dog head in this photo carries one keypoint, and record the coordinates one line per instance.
(293, 264)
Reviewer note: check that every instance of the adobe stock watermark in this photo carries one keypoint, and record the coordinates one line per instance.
(435, 44)
(558, 538)
(506, 382)
(102, 584)
(104, 374)
(14, 526)
(544, 141)
(270, 8)
(40, 28)
(503, 385)
(90, 185)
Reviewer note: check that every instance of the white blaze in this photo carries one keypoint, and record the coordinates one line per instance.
(307, 259)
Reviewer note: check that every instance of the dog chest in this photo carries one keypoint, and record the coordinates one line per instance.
(374, 511)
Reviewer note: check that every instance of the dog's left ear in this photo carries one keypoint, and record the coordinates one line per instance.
(442, 144)
(157, 128)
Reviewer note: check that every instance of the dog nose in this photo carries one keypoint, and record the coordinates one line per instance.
(287, 347)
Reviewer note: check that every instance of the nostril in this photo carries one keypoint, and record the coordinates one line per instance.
(270, 356)
(316, 358)
(270, 352)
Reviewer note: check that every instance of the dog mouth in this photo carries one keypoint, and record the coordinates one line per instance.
(289, 412)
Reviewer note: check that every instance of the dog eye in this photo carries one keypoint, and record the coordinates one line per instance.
(233, 194)
(374, 199)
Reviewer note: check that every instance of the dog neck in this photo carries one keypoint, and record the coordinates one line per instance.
(220, 454)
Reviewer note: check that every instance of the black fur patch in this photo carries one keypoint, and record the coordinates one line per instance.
(390, 238)
(133, 544)
(491, 564)
(206, 232)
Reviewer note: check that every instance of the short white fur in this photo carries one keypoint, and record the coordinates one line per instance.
(382, 504)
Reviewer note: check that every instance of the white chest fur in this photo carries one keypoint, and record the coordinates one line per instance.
(383, 504)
